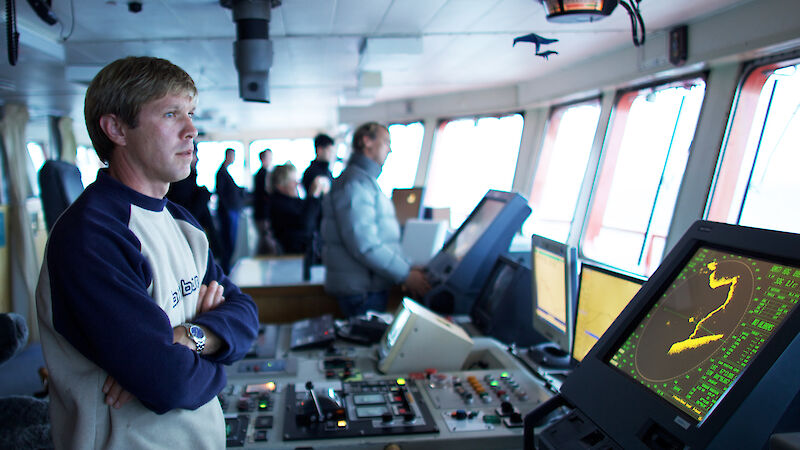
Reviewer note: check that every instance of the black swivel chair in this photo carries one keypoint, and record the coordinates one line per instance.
(60, 184)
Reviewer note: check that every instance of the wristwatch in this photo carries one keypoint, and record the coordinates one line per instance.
(196, 334)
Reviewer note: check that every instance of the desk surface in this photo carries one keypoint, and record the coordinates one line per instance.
(274, 271)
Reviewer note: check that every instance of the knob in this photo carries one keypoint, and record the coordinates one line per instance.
(506, 408)
(515, 418)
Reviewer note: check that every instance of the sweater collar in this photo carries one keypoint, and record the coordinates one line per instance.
(115, 188)
(372, 168)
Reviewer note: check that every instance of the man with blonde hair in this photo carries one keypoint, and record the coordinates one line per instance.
(361, 235)
(136, 318)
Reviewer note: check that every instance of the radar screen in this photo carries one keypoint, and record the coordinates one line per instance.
(707, 327)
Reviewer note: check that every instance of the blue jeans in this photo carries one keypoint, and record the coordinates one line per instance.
(358, 304)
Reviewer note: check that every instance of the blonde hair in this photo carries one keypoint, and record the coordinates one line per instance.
(281, 175)
(123, 87)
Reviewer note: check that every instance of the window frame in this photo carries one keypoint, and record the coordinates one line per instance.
(728, 170)
(611, 146)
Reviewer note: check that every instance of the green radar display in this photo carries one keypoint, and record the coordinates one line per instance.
(708, 325)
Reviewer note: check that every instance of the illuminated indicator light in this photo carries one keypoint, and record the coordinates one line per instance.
(401, 381)
(494, 383)
(262, 405)
(271, 386)
(341, 423)
(504, 375)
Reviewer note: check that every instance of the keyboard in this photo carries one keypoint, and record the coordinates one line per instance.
(314, 332)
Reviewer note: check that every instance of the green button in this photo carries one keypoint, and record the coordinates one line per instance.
(491, 419)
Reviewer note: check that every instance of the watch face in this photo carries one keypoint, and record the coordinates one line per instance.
(197, 332)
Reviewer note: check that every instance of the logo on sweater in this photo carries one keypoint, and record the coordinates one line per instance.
(186, 288)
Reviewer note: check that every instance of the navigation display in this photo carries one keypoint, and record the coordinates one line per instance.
(601, 298)
(474, 227)
(707, 327)
(551, 290)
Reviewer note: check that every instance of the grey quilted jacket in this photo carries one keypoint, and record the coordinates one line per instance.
(361, 237)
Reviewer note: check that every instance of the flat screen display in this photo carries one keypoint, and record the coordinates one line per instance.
(551, 290)
(601, 297)
(706, 328)
(474, 227)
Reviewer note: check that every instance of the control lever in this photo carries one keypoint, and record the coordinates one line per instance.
(310, 389)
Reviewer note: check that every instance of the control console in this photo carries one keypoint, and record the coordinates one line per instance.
(335, 398)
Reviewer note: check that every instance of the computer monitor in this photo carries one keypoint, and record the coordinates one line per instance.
(407, 203)
(555, 273)
(420, 339)
(502, 309)
(706, 355)
(457, 272)
(603, 292)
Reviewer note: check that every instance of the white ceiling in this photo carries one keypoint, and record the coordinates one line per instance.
(448, 45)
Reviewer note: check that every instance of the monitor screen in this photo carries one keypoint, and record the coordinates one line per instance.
(707, 352)
(551, 287)
(459, 270)
(473, 228)
(707, 327)
(602, 294)
(554, 280)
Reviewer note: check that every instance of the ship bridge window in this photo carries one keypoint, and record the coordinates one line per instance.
(300, 152)
(211, 154)
(756, 182)
(400, 168)
(561, 168)
(88, 163)
(37, 157)
(469, 157)
(36, 153)
(641, 168)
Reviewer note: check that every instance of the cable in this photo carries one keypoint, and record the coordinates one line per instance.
(637, 23)
(12, 36)
(72, 25)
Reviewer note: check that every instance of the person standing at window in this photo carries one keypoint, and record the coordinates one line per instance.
(261, 205)
(230, 198)
(361, 236)
(321, 165)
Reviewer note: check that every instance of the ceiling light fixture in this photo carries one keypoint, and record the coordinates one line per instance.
(572, 11)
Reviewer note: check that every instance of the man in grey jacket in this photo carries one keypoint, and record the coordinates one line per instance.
(362, 252)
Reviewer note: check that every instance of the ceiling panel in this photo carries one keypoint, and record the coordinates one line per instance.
(410, 16)
(358, 17)
(458, 16)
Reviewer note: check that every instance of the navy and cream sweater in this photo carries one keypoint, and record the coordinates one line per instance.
(121, 270)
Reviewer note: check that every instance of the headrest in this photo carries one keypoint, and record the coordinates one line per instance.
(13, 335)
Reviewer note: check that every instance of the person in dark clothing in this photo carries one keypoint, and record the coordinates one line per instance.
(323, 145)
(267, 245)
(195, 198)
(320, 167)
(294, 218)
(230, 199)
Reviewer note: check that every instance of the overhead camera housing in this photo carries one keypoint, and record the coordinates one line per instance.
(252, 50)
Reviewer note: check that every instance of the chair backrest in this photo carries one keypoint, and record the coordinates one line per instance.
(60, 184)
